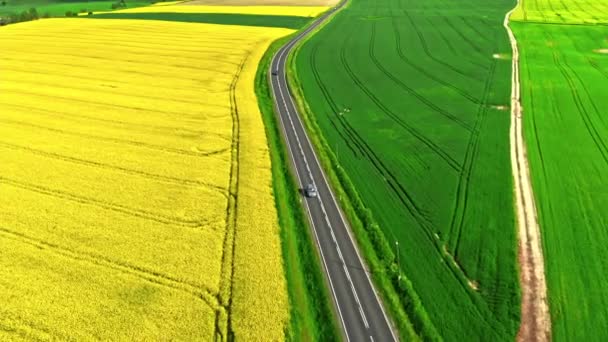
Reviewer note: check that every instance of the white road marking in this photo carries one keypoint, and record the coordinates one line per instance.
(333, 291)
(343, 220)
(352, 286)
(282, 55)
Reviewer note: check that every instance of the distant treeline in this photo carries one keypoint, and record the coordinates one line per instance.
(31, 14)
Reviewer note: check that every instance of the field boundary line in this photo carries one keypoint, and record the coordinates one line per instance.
(224, 324)
(535, 315)
(142, 273)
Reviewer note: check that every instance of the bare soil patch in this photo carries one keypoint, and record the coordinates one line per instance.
(535, 316)
(262, 2)
(500, 107)
(500, 56)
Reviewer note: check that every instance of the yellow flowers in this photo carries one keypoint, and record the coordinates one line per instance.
(118, 174)
(301, 11)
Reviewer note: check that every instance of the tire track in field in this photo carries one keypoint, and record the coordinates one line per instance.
(83, 75)
(146, 175)
(414, 132)
(154, 129)
(227, 271)
(164, 219)
(539, 10)
(130, 71)
(446, 19)
(408, 89)
(478, 32)
(480, 304)
(597, 67)
(422, 222)
(367, 151)
(464, 179)
(151, 276)
(424, 71)
(357, 149)
(532, 100)
(419, 217)
(106, 90)
(163, 37)
(464, 38)
(591, 4)
(446, 40)
(567, 9)
(427, 51)
(591, 129)
(71, 99)
(116, 140)
(584, 10)
(157, 51)
(15, 326)
(535, 315)
(588, 95)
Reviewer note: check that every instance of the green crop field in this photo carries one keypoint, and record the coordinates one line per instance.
(413, 99)
(59, 8)
(564, 72)
(563, 11)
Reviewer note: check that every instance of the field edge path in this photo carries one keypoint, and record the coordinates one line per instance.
(535, 316)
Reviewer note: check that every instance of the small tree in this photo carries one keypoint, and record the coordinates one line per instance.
(24, 16)
(33, 14)
(3, 3)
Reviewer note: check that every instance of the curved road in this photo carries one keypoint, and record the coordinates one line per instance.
(356, 302)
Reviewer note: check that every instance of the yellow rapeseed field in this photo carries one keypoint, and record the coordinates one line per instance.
(135, 184)
(302, 11)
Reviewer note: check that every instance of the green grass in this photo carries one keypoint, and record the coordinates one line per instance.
(412, 109)
(566, 129)
(59, 8)
(293, 22)
(563, 11)
(311, 314)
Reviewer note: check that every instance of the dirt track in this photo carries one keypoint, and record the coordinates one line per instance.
(535, 316)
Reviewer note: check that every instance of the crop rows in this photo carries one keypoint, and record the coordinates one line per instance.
(134, 179)
(564, 74)
(563, 11)
(413, 99)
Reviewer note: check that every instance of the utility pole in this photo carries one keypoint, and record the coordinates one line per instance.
(398, 260)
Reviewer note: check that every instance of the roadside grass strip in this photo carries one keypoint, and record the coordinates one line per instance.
(135, 184)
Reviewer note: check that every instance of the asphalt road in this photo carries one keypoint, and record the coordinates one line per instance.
(356, 302)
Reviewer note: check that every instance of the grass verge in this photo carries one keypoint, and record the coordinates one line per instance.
(311, 313)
